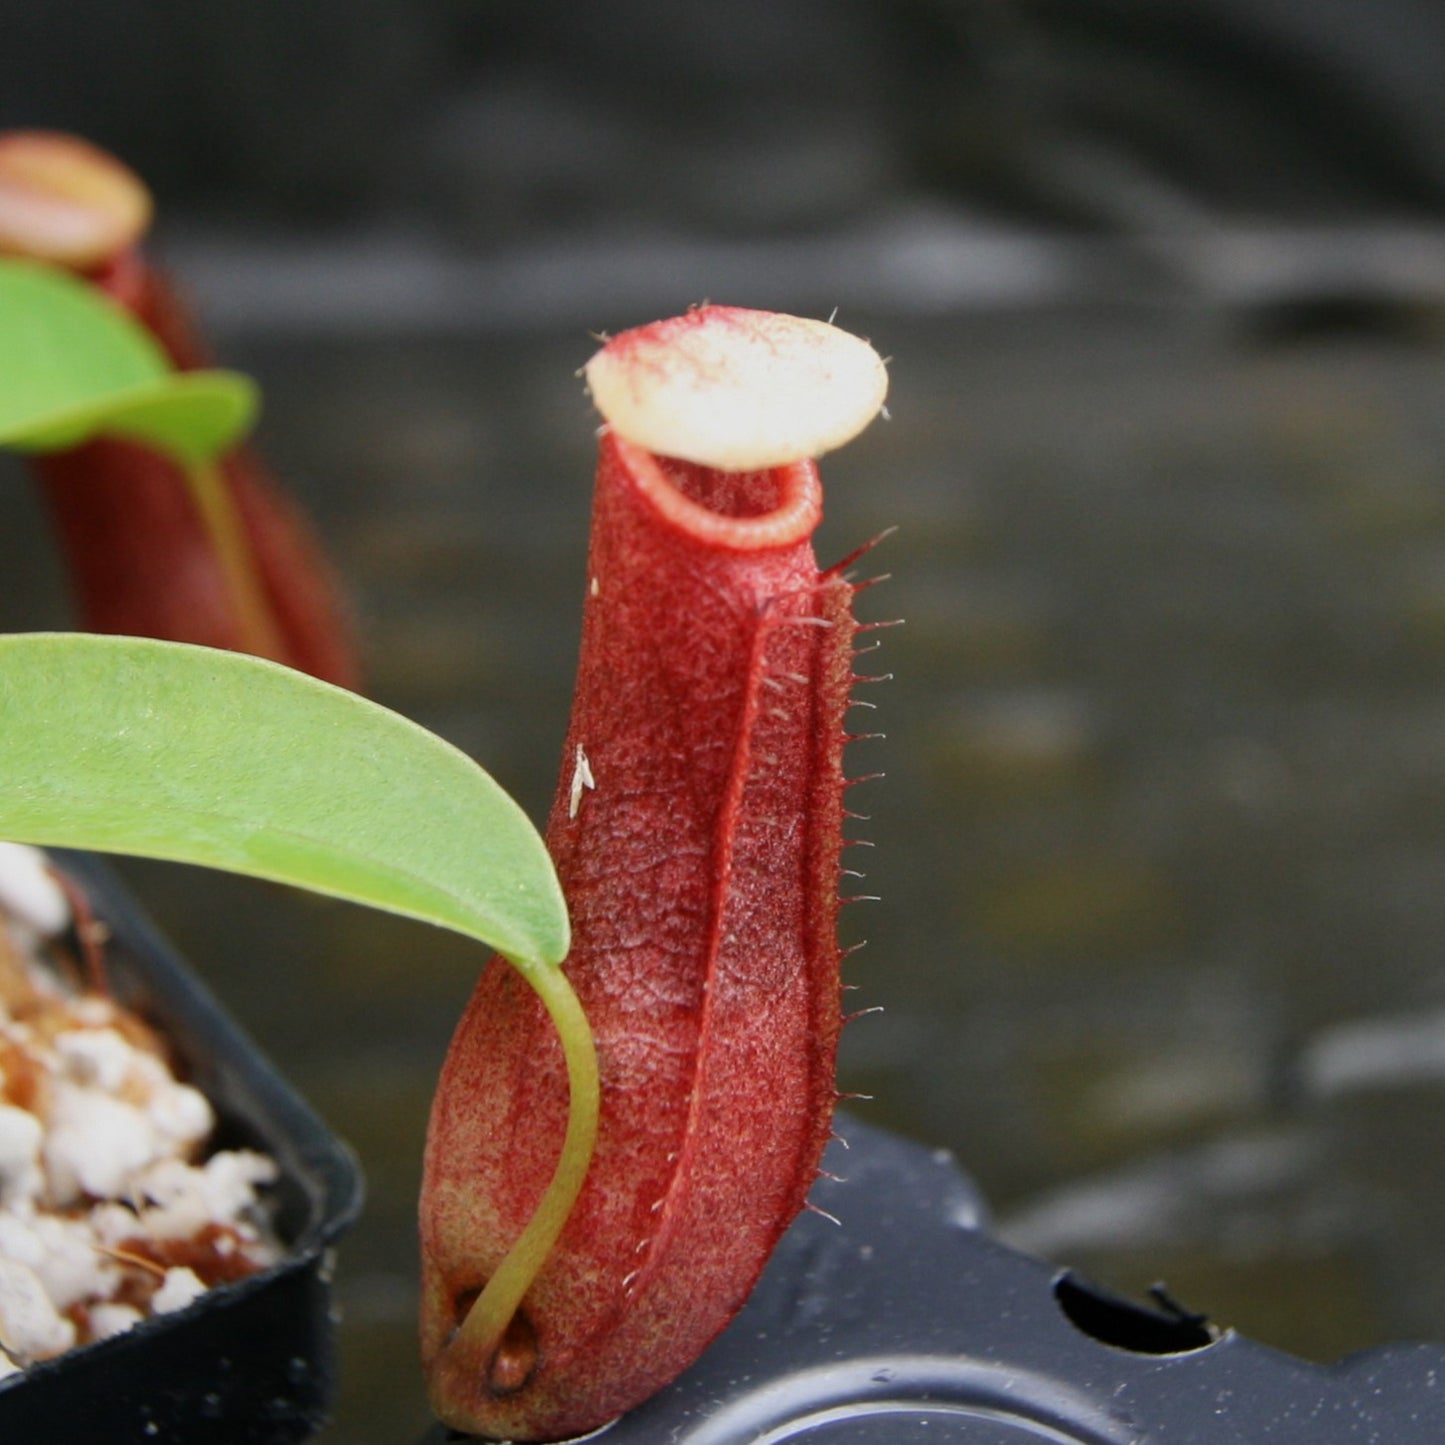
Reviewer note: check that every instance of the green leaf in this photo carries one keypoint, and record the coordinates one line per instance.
(165, 750)
(192, 416)
(74, 365)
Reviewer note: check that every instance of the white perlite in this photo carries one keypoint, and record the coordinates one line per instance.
(109, 1210)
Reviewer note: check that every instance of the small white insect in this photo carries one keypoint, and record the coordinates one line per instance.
(581, 779)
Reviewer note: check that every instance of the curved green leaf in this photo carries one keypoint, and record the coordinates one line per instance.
(165, 750)
(74, 365)
(63, 344)
(190, 415)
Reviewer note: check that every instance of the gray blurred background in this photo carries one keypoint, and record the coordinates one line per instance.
(1160, 849)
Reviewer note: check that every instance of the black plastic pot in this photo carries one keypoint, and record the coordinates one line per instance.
(909, 1325)
(252, 1362)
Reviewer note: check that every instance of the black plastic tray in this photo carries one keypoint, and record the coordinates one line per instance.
(252, 1362)
(910, 1325)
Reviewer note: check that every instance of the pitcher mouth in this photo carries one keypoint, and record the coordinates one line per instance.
(741, 511)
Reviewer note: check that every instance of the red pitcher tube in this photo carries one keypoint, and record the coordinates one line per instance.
(696, 829)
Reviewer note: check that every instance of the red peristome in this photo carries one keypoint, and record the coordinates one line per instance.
(701, 876)
(137, 552)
